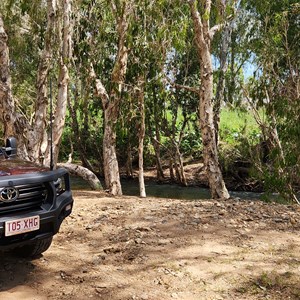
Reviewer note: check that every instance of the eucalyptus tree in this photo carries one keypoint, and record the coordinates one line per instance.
(65, 55)
(7, 103)
(203, 37)
(141, 131)
(111, 102)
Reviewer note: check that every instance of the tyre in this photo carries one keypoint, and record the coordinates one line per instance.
(34, 249)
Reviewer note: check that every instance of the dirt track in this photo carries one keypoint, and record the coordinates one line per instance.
(131, 248)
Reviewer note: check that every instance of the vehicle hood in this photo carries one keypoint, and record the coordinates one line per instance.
(16, 166)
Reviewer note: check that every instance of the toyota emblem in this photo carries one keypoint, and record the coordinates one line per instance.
(9, 194)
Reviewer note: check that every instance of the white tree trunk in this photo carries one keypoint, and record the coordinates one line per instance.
(203, 35)
(63, 83)
(7, 104)
(110, 162)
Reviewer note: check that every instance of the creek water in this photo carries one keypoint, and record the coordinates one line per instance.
(130, 187)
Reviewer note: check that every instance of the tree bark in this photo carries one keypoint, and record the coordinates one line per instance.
(203, 35)
(171, 169)
(7, 104)
(110, 162)
(63, 82)
(129, 168)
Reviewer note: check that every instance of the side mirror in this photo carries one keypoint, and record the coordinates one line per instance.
(11, 146)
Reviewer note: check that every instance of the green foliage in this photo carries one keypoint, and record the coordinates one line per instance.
(236, 125)
(239, 137)
(191, 145)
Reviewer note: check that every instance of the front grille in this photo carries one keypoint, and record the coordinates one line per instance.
(30, 196)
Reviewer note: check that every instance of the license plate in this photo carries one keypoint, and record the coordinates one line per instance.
(22, 225)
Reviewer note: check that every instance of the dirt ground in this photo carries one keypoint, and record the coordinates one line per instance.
(148, 249)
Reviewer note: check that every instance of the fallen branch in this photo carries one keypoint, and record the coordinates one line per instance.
(84, 173)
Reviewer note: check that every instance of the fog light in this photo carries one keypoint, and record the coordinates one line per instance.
(68, 207)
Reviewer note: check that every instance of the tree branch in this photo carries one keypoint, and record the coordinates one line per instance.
(100, 89)
(185, 87)
(206, 15)
(198, 26)
(214, 29)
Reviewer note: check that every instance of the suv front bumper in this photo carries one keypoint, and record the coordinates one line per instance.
(51, 214)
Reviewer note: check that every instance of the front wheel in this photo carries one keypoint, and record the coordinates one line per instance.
(34, 249)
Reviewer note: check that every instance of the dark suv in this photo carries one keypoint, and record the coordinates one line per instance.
(33, 203)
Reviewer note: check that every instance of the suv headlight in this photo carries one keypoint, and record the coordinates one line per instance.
(60, 185)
